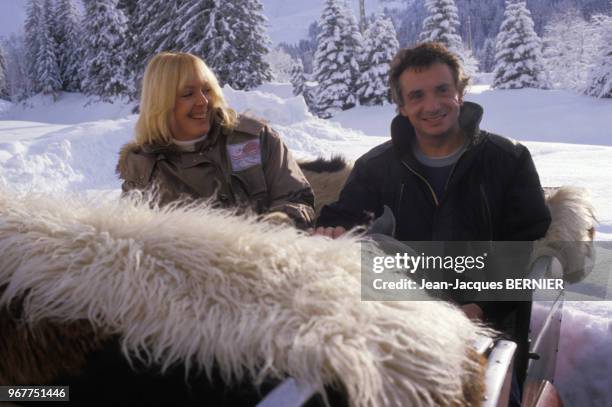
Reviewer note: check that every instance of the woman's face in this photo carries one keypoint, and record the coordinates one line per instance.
(192, 111)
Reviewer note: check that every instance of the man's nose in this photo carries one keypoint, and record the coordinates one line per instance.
(431, 103)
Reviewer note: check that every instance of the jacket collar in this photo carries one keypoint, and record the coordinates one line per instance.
(213, 136)
(402, 131)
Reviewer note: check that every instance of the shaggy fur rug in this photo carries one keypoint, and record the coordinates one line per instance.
(203, 288)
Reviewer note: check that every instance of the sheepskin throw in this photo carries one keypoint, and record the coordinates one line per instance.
(198, 286)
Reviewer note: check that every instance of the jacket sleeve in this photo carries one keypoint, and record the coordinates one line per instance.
(136, 171)
(526, 216)
(288, 189)
(359, 201)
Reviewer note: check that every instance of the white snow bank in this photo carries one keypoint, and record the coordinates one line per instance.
(69, 108)
(546, 115)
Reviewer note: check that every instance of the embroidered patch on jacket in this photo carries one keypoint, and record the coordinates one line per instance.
(244, 155)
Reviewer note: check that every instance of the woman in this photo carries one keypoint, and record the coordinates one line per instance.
(190, 145)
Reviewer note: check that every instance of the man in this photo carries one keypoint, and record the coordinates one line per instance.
(443, 177)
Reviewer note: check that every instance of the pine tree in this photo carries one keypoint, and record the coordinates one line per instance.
(487, 56)
(32, 44)
(104, 73)
(381, 45)
(153, 27)
(518, 57)
(230, 37)
(335, 61)
(281, 64)
(253, 44)
(47, 70)
(4, 89)
(17, 68)
(354, 49)
(442, 25)
(599, 83)
(68, 34)
(297, 78)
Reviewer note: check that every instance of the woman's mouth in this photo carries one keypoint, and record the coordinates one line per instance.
(198, 116)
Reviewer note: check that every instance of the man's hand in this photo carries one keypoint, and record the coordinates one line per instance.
(330, 232)
(473, 312)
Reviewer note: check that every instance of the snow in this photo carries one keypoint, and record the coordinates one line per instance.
(72, 144)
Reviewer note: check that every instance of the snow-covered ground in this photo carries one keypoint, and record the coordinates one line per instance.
(66, 146)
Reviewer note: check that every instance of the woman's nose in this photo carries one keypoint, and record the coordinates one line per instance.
(201, 99)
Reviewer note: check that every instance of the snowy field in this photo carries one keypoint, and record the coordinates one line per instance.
(65, 146)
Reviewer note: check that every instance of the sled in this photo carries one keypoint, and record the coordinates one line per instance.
(79, 355)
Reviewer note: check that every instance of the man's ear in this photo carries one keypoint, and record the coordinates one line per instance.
(403, 111)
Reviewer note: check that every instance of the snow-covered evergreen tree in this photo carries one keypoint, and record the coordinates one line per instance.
(47, 70)
(570, 44)
(251, 69)
(32, 43)
(354, 48)
(599, 82)
(17, 68)
(442, 25)
(381, 45)
(4, 89)
(104, 72)
(334, 63)
(68, 35)
(281, 64)
(518, 57)
(297, 78)
(230, 37)
(486, 56)
(153, 26)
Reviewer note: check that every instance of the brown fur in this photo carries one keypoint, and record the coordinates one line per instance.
(41, 353)
(125, 150)
(326, 184)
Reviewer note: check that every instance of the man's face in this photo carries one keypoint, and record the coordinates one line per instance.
(431, 100)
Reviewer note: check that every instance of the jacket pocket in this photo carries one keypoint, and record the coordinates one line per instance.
(251, 184)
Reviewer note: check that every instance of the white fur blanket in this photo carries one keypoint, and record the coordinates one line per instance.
(195, 285)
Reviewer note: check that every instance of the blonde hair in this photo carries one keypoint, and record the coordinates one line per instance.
(166, 73)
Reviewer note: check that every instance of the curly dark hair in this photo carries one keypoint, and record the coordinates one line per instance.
(423, 56)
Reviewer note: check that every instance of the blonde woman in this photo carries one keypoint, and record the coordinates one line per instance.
(190, 144)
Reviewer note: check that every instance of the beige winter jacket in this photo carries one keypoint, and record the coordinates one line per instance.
(246, 167)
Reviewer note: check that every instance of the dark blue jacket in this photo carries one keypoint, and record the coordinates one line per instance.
(493, 192)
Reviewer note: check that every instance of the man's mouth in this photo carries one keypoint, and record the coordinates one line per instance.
(434, 119)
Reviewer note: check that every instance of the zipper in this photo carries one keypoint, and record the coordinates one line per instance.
(488, 212)
(453, 170)
(433, 194)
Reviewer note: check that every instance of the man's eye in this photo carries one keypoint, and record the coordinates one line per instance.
(414, 96)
